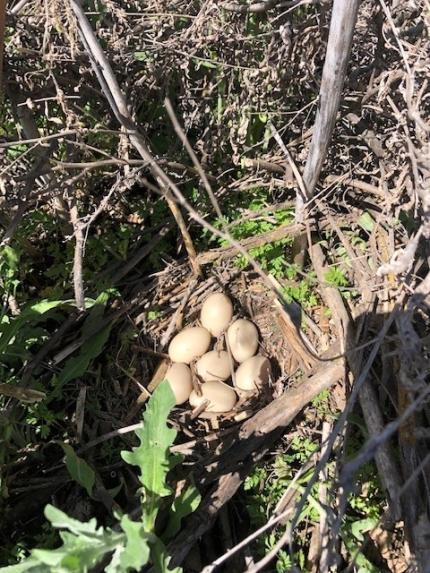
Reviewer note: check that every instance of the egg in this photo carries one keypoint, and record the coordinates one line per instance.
(242, 337)
(253, 373)
(222, 398)
(216, 313)
(180, 380)
(189, 344)
(214, 365)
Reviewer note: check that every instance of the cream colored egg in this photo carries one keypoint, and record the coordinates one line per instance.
(242, 337)
(253, 373)
(214, 365)
(189, 344)
(180, 380)
(216, 313)
(222, 398)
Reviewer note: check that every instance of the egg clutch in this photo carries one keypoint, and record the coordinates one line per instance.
(221, 374)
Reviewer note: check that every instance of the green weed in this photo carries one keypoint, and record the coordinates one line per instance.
(129, 544)
(267, 483)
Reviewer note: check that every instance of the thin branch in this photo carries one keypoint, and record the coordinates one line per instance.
(270, 555)
(181, 134)
(344, 415)
(323, 496)
(78, 281)
(59, 135)
(18, 7)
(2, 41)
(302, 194)
(264, 6)
(118, 105)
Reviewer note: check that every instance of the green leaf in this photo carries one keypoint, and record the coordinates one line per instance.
(61, 520)
(362, 564)
(78, 553)
(93, 321)
(137, 550)
(78, 365)
(11, 258)
(366, 221)
(334, 276)
(30, 565)
(34, 314)
(84, 546)
(361, 526)
(183, 505)
(161, 558)
(78, 469)
(143, 56)
(153, 455)
(201, 62)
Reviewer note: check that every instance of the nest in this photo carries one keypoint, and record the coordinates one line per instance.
(178, 298)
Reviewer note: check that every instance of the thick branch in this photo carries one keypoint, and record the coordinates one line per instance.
(342, 26)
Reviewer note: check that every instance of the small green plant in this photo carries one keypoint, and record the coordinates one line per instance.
(302, 292)
(272, 255)
(335, 277)
(153, 314)
(266, 485)
(9, 264)
(320, 403)
(129, 544)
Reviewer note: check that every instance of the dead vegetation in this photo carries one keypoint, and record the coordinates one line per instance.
(122, 124)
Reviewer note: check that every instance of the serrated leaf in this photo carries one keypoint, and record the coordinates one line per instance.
(153, 455)
(183, 505)
(50, 558)
(136, 551)
(78, 469)
(61, 520)
(84, 546)
(78, 553)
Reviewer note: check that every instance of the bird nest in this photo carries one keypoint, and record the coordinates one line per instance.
(174, 301)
